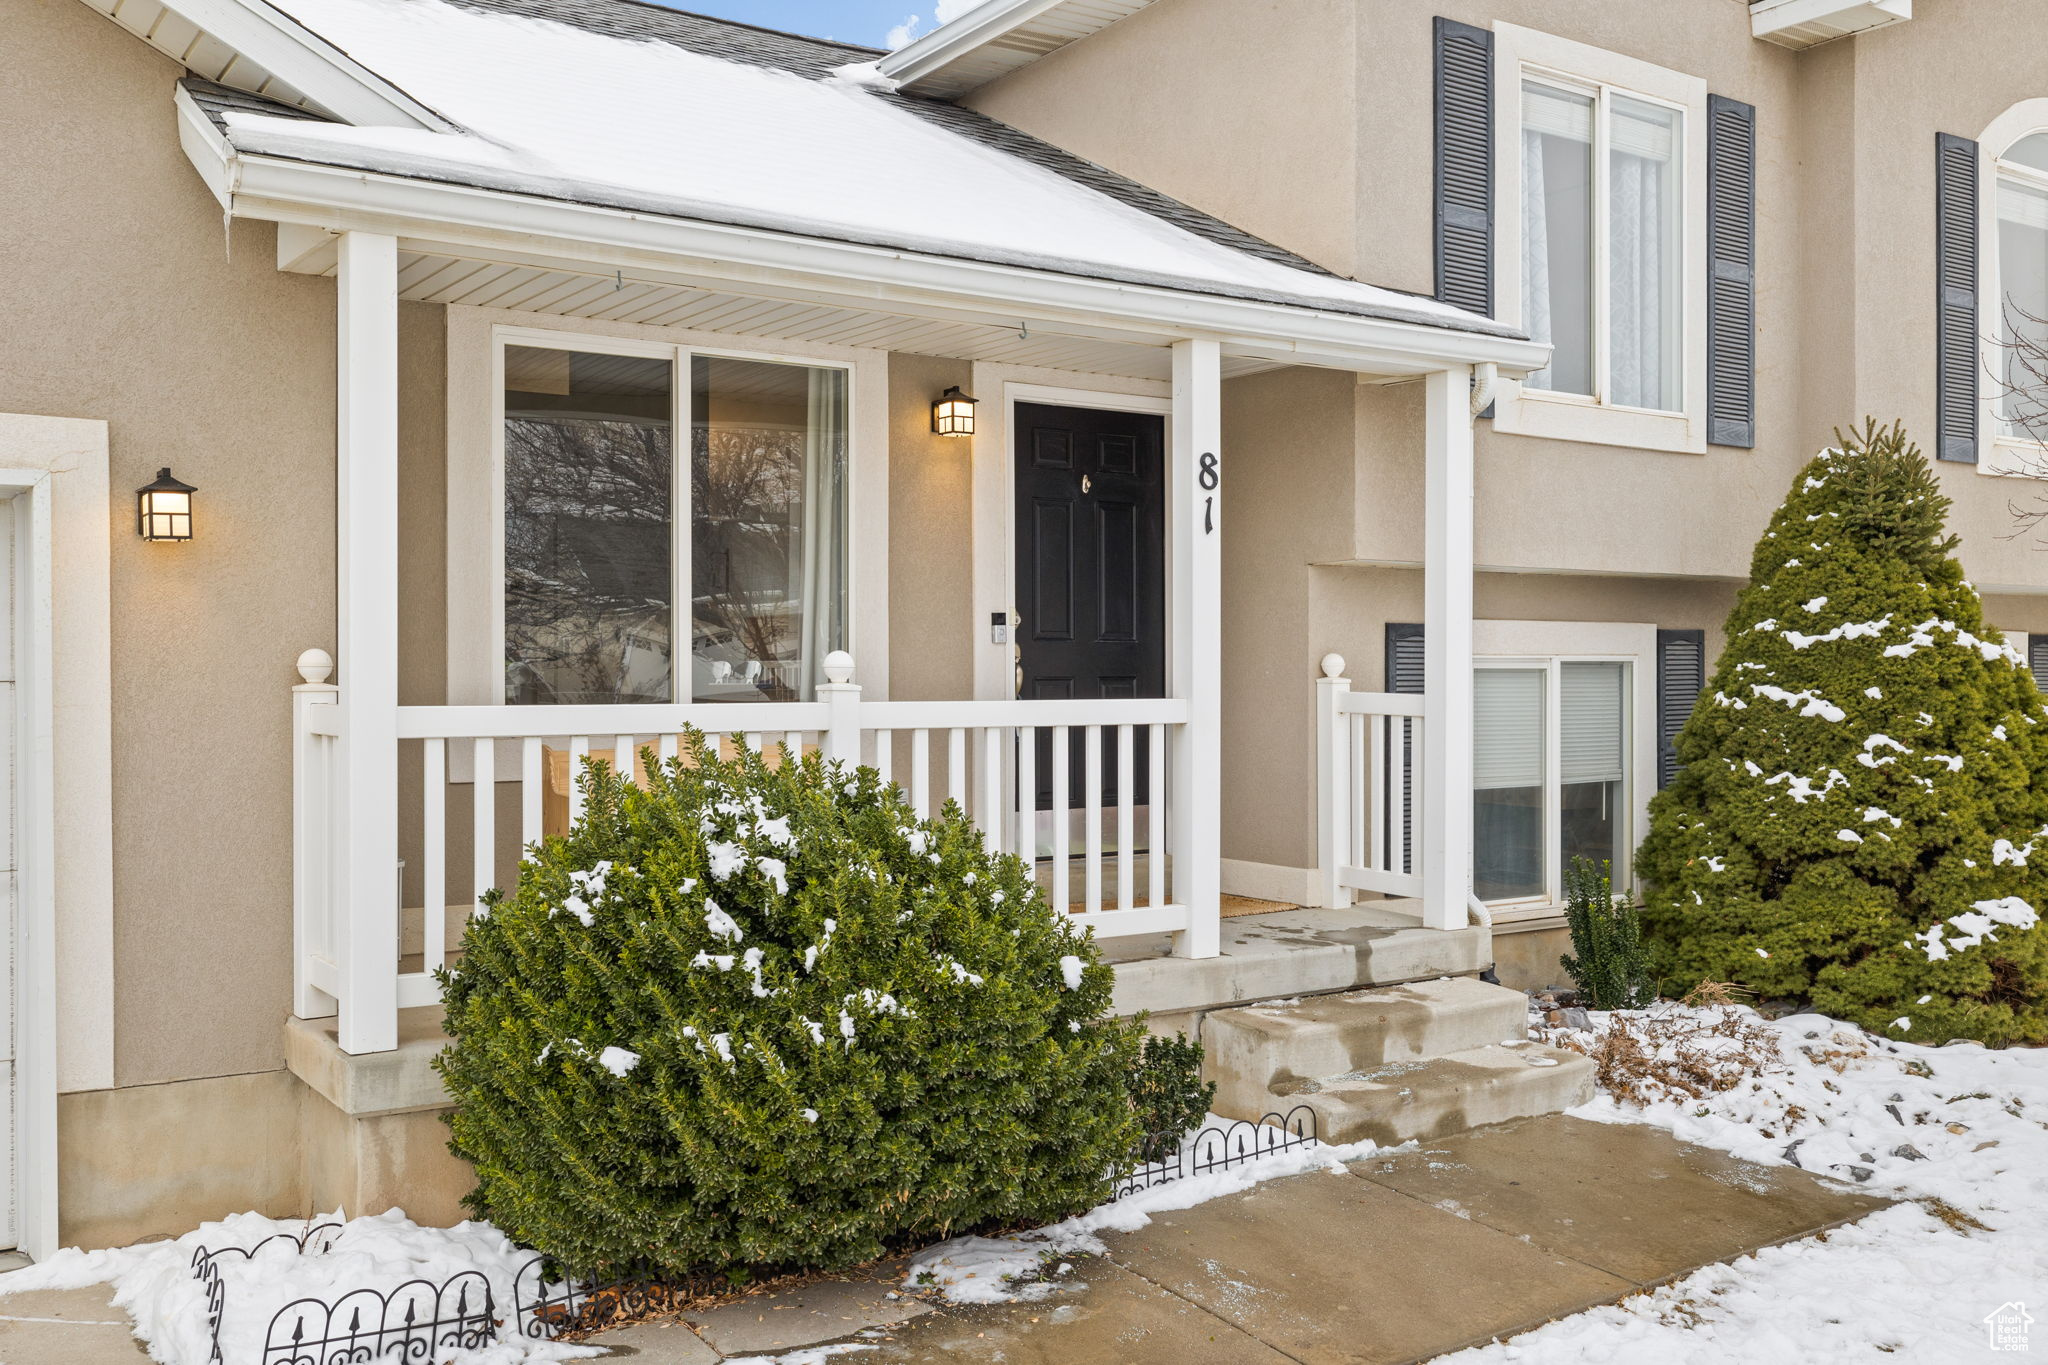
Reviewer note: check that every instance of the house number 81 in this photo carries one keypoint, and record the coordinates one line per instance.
(1209, 477)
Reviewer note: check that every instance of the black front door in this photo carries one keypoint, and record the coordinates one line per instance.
(1091, 571)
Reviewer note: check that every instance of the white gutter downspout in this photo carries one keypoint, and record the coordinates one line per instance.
(1485, 376)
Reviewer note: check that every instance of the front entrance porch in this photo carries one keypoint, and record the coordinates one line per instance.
(1104, 771)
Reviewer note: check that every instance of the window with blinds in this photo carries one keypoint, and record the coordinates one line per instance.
(1590, 707)
(1550, 774)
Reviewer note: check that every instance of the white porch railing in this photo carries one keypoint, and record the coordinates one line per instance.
(1108, 869)
(1368, 789)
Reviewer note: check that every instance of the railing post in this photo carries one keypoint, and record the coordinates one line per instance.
(366, 506)
(1333, 783)
(841, 694)
(1195, 807)
(312, 829)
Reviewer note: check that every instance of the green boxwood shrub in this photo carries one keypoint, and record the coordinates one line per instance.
(1169, 1094)
(1861, 818)
(751, 1019)
(1608, 962)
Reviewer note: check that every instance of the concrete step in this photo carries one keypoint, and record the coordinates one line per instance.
(1261, 1051)
(1433, 1097)
(1292, 952)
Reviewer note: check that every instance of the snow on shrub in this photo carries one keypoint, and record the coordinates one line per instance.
(748, 1019)
(1861, 816)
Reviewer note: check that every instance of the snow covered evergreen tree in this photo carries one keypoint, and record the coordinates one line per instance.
(753, 1019)
(1861, 819)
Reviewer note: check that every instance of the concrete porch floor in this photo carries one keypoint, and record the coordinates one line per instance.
(1291, 952)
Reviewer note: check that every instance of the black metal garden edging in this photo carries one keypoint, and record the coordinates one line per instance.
(409, 1324)
(1218, 1149)
(413, 1322)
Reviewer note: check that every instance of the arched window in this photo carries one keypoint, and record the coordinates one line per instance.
(2020, 325)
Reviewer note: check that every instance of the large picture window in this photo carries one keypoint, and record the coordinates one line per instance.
(641, 568)
(1602, 243)
(1550, 769)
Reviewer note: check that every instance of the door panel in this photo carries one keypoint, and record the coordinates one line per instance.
(1091, 572)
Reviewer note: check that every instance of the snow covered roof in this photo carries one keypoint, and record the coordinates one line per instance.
(628, 105)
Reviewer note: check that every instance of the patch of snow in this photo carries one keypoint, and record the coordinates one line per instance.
(153, 1281)
(1807, 703)
(720, 924)
(1899, 1284)
(618, 1060)
(1070, 971)
(1975, 926)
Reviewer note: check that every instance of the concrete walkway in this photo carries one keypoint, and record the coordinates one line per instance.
(1398, 1259)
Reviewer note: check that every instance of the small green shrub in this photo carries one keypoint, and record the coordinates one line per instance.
(1168, 1093)
(1608, 962)
(751, 1019)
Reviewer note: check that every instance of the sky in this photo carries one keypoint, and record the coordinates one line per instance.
(875, 23)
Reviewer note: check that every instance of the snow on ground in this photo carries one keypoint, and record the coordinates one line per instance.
(153, 1281)
(1963, 1125)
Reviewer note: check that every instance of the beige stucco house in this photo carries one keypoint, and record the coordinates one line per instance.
(493, 333)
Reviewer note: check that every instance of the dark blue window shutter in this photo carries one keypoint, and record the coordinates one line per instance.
(1731, 272)
(2037, 660)
(1955, 258)
(1404, 674)
(1681, 677)
(1464, 165)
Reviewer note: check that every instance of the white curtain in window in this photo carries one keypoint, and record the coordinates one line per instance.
(1557, 143)
(824, 549)
(1507, 726)
(1535, 248)
(2023, 305)
(1591, 710)
(1642, 264)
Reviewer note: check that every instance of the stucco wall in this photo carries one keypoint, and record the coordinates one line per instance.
(128, 302)
(931, 536)
(1239, 106)
(1844, 234)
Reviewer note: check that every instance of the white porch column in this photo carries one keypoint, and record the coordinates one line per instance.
(1195, 533)
(1446, 800)
(366, 630)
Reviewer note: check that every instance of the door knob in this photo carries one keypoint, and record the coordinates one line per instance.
(1086, 483)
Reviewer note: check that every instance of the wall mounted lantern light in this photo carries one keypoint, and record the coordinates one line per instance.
(953, 413)
(163, 510)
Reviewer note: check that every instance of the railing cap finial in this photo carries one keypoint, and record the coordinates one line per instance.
(316, 665)
(1333, 665)
(839, 667)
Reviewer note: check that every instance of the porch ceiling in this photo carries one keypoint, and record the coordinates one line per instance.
(432, 277)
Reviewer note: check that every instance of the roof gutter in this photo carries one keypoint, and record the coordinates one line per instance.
(948, 43)
(557, 234)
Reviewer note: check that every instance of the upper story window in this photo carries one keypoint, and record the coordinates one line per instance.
(1603, 245)
(2022, 289)
(1600, 246)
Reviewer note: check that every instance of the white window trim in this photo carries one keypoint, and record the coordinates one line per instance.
(1524, 411)
(476, 478)
(1530, 644)
(2000, 455)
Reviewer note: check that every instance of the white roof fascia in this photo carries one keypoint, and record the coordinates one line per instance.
(498, 225)
(971, 51)
(327, 76)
